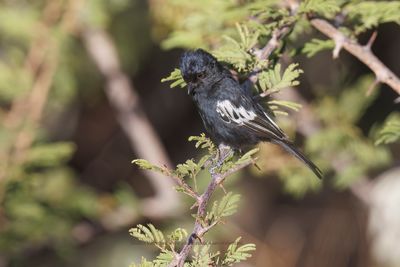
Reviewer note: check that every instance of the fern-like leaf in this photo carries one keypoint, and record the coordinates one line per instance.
(164, 258)
(369, 14)
(176, 78)
(145, 165)
(317, 45)
(273, 81)
(235, 253)
(390, 132)
(326, 8)
(226, 207)
(148, 234)
(203, 142)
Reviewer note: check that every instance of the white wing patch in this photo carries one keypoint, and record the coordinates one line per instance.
(230, 113)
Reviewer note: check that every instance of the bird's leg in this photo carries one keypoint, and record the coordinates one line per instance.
(223, 153)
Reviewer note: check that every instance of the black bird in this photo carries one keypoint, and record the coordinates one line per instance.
(230, 114)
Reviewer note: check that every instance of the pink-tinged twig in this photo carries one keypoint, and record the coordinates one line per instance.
(363, 53)
(202, 201)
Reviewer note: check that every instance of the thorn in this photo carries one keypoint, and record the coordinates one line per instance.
(253, 161)
(256, 165)
(196, 204)
(371, 41)
(337, 49)
(222, 187)
(372, 87)
(199, 238)
(339, 40)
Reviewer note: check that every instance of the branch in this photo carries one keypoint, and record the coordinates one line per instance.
(273, 43)
(132, 119)
(363, 53)
(26, 111)
(200, 229)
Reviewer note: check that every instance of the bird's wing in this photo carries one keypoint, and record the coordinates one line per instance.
(251, 116)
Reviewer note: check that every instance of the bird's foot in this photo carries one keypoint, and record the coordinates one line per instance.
(224, 152)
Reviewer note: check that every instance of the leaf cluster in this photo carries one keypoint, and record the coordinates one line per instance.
(390, 132)
(226, 206)
(202, 254)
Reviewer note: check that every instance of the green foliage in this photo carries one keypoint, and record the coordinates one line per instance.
(148, 234)
(202, 256)
(238, 53)
(145, 165)
(50, 198)
(49, 155)
(339, 139)
(176, 79)
(208, 20)
(352, 153)
(316, 45)
(43, 62)
(390, 131)
(236, 33)
(326, 8)
(204, 143)
(235, 253)
(273, 81)
(226, 207)
(220, 209)
(365, 15)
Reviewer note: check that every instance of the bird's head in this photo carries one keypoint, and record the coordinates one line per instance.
(199, 69)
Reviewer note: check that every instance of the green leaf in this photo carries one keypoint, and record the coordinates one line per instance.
(148, 234)
(190, 168)
(226, 207)
(326, 8)
(275, 105)
(235, 253)
(238, 53)
(201, 257)
(176, 78)
(247, 156)
(177, 235)
(273, 81)
(369, 14)
(164, 258)
(143, 263)
(203, 142)
(316, 45)
(49, 155)
(145, 165)
(390, 131)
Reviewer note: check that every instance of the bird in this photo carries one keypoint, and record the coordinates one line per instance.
(230, 114)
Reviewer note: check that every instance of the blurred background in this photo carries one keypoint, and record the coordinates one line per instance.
(81, 97)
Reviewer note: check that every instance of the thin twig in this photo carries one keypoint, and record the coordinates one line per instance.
(363, 53)
(187, 189)
(273, 43)
(199, 229)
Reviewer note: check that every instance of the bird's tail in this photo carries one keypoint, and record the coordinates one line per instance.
(298, 154)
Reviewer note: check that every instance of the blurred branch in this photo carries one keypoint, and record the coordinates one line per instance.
(26, 111)
(363, 53)
(273, 43)
(200, 229)
(132, 119)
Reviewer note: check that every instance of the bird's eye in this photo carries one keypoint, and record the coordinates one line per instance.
(200, 75)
